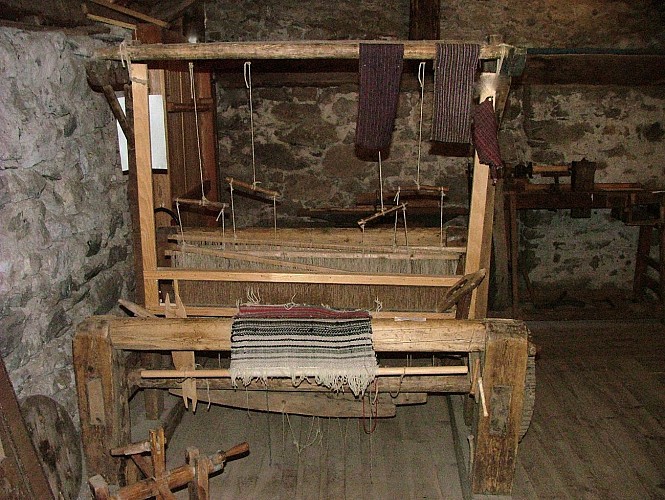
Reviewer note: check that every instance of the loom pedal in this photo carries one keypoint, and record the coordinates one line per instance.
(319, 404)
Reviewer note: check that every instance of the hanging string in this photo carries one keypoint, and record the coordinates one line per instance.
(221, 215)
(182, 233)
(274, 214)
(441, 219)
(373, 410)
(233, 211)
(247, 73)
(396, 199)
(406, 235)
(381, 181)
(192, 90)
(268, 421)
(421, 81)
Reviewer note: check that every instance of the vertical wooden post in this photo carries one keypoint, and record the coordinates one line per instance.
(501, 253)
(424, 20)
(154, 400)
(497, 435)
(139, 76)
(481, 220)
(479, 241)
(514, 252)
(103, 399)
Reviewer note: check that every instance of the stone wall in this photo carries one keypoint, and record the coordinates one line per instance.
(305, 135)
(64, 251)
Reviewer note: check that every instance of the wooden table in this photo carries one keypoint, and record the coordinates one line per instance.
(630, 203)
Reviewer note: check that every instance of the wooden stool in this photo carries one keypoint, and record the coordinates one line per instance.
(160, 482)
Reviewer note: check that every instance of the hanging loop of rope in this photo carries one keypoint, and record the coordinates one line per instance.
(192, 89)
(247, 73)
(396, 200)
(233, 210)
(421, 81)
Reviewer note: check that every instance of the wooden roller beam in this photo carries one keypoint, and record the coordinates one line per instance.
(381, 371)
(168, 273)
(420, 383)
(214, 334)
(301, 49)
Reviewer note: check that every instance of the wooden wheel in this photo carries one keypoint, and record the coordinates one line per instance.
(57, 443)
(529, 395)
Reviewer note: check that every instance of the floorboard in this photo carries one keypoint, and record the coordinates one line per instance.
(598, 432)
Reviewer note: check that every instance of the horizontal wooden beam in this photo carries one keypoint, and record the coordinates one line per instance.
(383, 371)
(220, 311)
(214, 334)
(301, 49)
(168, 273)
(420, 383)
(131, 13)
(594, 69)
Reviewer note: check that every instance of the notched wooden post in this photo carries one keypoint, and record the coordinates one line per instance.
(103, 398)
(497, 436)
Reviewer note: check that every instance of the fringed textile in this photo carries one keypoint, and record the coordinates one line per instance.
(380, 73)
(332, 347)
(455, 70)
(485, 137)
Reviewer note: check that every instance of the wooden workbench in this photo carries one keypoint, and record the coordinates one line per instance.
(629, 203)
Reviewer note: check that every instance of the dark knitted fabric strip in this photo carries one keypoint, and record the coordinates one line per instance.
(455, 71)
(485, 136)
(380, 73)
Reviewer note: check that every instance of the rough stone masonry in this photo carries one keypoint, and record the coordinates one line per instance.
(64, 232)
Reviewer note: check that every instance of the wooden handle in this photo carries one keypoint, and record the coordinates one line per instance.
(238, 449)
(202, 203)
(131, 449)
(222, 456)
(252, 187)
(434, 189)
(386, 211)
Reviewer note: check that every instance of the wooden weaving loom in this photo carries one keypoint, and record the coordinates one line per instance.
(331, 266)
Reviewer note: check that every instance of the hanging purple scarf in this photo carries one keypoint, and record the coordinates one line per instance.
(380, 73)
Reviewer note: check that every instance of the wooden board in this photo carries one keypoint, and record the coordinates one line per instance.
(57, 442)
(319, 404)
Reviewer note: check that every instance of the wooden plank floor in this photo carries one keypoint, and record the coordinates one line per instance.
(598, 432)
(598, 429)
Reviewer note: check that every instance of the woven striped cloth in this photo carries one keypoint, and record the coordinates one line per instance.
(455, 70)
(486, 136)
(334, 348)
(378, 94)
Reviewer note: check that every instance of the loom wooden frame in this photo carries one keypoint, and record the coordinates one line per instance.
(104, 380)
(482, 202)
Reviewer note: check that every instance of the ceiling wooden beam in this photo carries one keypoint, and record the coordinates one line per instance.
(424, 20)
(301, 49)
(594, 69)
